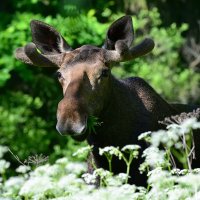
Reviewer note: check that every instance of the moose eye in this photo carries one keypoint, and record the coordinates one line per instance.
(58, 75)
(105, 73)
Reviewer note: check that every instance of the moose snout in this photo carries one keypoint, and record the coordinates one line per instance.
(71, 118)
(71, 129)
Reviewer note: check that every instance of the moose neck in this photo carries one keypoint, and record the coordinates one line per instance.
(128, 113)
(115, 117)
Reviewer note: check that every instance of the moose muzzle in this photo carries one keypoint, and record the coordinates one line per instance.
(71, 119)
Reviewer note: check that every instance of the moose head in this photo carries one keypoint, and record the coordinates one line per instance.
(84, 73)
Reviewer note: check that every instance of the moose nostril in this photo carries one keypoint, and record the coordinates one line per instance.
(80, 129)
(60, 129)
(84, 129)
(71, 130)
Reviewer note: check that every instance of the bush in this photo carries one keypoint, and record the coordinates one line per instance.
(28, 114)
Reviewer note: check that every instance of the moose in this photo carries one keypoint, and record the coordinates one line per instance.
(125, 107)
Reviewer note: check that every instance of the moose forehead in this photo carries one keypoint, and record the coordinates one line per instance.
(86, 54)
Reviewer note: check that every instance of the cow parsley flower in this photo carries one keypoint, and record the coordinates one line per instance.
(190, 180)
(76, 167)
(109, 150)
(127, 189)
(122, 177)
(23, 169)
(83, 151)
(13, 185)
(178, 193)
(53, 171)
(3, 166)
(89, 178)
(36, 185)
(62, 161)
(117, 180)
(159, 137)
(175, 171)
(131, 147)
(48, 170)
(145, 136)
(3, 150)
(70, 180)
(196, 170)
(40, 171)
(189, 124)
(102, 173)
(154, 157)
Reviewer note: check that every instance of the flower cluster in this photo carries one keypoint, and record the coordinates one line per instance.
(67, 180)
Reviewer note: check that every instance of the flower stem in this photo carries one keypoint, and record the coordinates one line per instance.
(110, 164)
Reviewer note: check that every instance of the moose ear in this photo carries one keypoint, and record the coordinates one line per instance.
(122, 29)
(47, 39)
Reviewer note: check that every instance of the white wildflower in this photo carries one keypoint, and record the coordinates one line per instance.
(110, 150)
(173, 136)
(102, 173)
(154, 157)
(141, 189)
(138, 195)
(122, 177)
(89, 178)
(53, 171)
(161, 178)
(3, 166)
(48, 170)
(113, 181)
(156, 193)
(71, 181)
(190, 180)
(183, 171)
(13, 185)
(76, 167)
(83, 151)
(178, 193)
(189, 124)
(3, 150)
(145, 136)
(61, 198)
(41, 170)
(23, 169)
(128, 188)
(173, 126)
(196, 170)
(175, 171)
(117, 180)
(167, 138)
(159, 137)
(37, 185)
(196, 196)
(62, 161)
(131, 147)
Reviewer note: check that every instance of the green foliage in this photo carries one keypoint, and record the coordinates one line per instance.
(28, 107)
(92, 122)
(16, 109)
(79, 30)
